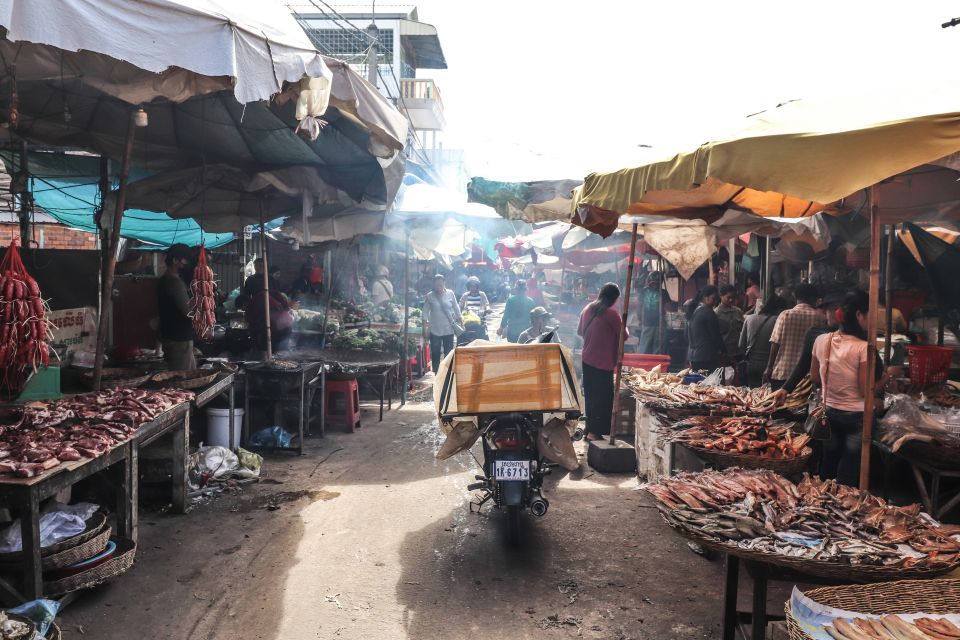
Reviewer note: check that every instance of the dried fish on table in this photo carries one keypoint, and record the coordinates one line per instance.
(893, 627)
(741, 435)
(815, 519)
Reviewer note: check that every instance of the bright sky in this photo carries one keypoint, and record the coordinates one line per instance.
(540, 89)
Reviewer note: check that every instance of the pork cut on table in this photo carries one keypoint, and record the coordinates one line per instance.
(44, 434)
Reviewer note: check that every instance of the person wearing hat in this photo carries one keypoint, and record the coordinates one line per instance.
(474, 299)
(173, 304)
(441, 320)
(381, 289)
(538, 326)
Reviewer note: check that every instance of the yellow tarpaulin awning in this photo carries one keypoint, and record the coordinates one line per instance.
(795, 160)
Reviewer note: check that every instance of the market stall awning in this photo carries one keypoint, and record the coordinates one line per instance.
(536, 201)
(802, 157)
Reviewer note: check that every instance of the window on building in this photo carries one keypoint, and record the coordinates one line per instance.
(351, 46)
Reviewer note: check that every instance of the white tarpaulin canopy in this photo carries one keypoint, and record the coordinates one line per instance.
(173, 49)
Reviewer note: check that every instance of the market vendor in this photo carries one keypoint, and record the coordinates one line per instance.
(538, 326)
(254, 282)
(441, 315)
(516, 313)
(281, 316)
(381, 289)
(173, 304)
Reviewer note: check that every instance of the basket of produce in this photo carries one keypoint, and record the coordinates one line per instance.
(887, 610)
(190, 379)
(118, 377)
(111, 562)
(746, 442)
(816, 527)
(13, 626)
(96, 526)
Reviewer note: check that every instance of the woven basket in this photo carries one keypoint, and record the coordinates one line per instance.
(193, 379)
(110, 378)
(79, 553)
(32, 633)
(907, 596)
(119, 563)
(95, 525)
(816, 568)
(726, 460)
(940, 456)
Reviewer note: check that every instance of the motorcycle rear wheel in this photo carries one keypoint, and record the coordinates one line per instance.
(513, 525)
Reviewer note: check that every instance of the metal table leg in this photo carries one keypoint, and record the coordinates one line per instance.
(303, 388)
(730, 586)
(30, 532)
(181, 449)
(245, 435)
(230, 400)
(323, 402)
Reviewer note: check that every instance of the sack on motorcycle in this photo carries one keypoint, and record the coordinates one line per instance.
(555, 444)
(461, 435)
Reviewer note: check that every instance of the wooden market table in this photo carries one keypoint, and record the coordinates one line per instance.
(26, 494)
(934, 502)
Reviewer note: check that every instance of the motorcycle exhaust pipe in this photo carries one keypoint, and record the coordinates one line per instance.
(539, 506)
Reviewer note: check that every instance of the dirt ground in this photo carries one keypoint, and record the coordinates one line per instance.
(368, 537)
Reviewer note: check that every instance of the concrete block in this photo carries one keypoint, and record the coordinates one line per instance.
(619, 458)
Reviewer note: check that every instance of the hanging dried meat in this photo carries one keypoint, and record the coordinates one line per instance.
(24, 327)
(203, 303)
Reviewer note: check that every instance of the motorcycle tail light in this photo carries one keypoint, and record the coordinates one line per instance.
(510, 440)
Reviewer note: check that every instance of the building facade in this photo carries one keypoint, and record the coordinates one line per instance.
(406, 51)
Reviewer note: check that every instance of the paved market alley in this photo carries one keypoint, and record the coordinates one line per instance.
(367, 536)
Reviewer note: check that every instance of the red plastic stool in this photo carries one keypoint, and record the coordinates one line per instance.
(342, 404)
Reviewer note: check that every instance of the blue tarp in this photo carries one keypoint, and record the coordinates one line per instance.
(66, 187)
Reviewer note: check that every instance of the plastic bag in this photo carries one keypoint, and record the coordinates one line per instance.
(715, 379)
(271, 437)
(42, 612)
(57, 523)
(906, 420)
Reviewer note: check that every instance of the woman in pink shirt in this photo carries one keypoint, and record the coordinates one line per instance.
(600, 327)
(840, 365)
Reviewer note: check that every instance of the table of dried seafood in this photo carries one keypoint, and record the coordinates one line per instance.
(46, 447)
(761, 508)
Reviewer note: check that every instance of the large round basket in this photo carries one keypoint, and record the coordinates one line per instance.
(192, 379)
(110, 378)
(906, 596)
(726, 460)
(96, 524)
(815, 568)
(79, 553)
(119, 563)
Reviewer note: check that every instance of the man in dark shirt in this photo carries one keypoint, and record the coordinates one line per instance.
(173, 303)
(703, 333)
(254, 283)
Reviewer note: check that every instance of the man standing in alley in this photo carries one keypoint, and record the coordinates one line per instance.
(442, 320)
(173, 303)
(786, 342)
(731, 320)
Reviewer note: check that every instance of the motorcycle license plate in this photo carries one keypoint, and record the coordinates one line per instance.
(518, 470)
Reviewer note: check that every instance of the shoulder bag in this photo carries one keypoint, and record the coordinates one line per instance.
(817, 425)
(457, 323)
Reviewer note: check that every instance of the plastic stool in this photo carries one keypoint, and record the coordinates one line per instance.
(342, 404)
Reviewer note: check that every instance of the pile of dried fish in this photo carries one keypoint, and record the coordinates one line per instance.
(814, 520)
(943, 396)
(893, 627)
(742, 435)
(667, 391)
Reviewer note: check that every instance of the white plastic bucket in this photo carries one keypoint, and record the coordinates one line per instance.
(218, 420)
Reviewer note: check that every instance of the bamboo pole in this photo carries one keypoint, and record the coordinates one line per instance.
(868, 407)
(623, 336)
(406, 322)
(328, 277)
(660, 289)
(888, 294)
(266, 285)
(106, 291)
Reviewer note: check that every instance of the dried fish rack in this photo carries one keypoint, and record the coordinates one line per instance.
(816, 568)
(904, 596)
(726, 460)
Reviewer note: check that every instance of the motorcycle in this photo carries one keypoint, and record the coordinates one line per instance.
(475, 332)
(514, 466)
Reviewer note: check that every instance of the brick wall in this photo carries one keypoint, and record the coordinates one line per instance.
(51, 236)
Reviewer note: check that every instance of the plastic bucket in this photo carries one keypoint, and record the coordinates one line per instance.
(218, 433)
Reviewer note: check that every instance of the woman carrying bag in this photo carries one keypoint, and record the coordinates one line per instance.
(839, 366)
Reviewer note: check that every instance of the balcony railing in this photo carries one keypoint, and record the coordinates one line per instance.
(415, 89)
